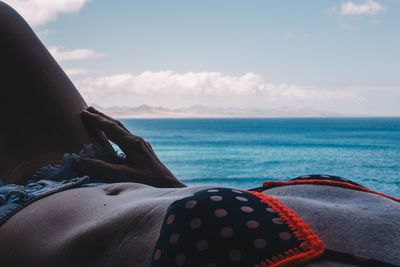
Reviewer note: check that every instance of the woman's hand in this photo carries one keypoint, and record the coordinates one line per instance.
(141, 164)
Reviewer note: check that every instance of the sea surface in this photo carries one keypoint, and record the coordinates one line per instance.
(242, 153)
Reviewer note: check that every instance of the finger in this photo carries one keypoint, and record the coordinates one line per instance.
(112, 130)
(130, 144)
(91, 109)
(151, 150)
(99, 169)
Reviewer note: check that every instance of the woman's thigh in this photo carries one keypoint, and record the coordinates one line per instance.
(39, 106)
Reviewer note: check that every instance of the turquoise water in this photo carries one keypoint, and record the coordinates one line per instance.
(243, 153)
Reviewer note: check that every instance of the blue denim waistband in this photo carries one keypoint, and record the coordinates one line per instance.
(13, 197)
(49, 180)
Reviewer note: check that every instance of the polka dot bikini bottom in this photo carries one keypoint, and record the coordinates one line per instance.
(228, 227)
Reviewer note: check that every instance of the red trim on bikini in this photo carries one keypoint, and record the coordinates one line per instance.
(332, 183)
(311, 246)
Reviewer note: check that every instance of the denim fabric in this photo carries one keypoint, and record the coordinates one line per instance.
(49, 180)
(15, 197)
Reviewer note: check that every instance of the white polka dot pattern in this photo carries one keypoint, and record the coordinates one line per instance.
(270, 210)
(157, 254)
(247, 209)
(174, 238)
(220, 213)
(226, 232)
(242, 199)
(170, 219)
(216, 198)
(213, 191)
(277, 221)
(195, 223)
(260, 243)
(252, 224)
(285, 236)
(221, 227)
(190, 204)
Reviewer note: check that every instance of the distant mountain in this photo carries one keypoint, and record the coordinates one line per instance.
(199, 111)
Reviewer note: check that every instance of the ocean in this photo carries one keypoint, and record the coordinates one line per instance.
(242, 153)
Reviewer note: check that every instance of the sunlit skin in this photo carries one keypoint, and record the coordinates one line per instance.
(117, 224)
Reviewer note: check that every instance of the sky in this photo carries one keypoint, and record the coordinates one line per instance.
(331, 55)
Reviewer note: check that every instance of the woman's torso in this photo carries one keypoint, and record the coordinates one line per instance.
(118, 224)
(115, 224)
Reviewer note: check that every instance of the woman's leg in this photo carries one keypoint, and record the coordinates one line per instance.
(39, 106)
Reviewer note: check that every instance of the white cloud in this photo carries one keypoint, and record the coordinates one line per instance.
(370, 7)
(41, 33)
(288, 35)
(200, 86)
(76, 71)
(39, 12)
(75, 54)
